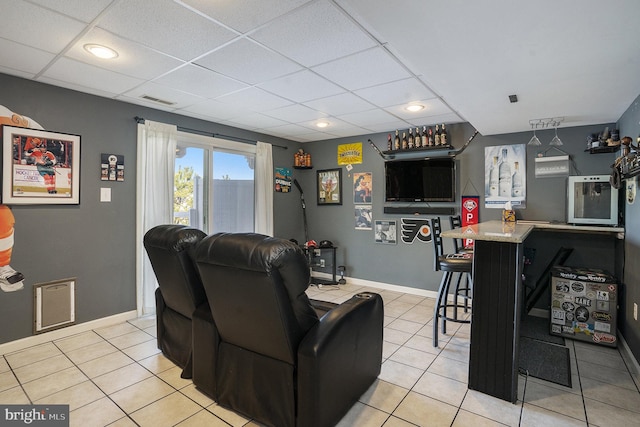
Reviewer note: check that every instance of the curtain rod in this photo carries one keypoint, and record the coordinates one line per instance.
(140, 120)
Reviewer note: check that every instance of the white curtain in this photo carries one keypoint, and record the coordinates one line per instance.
(264, 189)
(156, 155)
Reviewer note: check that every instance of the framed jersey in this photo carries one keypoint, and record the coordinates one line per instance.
(40, 167)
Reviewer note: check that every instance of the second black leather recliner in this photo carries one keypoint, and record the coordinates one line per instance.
(275, 360)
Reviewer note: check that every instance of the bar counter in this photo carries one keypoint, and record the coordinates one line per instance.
(497, 298)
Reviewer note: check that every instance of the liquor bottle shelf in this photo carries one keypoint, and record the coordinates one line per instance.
(605, 149)
(419, 150)
(303, 167)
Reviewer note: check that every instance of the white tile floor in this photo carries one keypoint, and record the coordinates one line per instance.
(116, 376)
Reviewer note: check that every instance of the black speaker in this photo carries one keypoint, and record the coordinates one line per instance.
(419, 210)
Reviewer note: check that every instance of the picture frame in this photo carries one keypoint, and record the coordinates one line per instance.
(40, 167)
(385, 232)
(329, 187)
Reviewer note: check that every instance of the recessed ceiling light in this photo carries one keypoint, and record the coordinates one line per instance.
(102, 52)
(415, 107)
(322, 124)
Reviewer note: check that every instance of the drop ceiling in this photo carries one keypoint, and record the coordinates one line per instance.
(278, 67)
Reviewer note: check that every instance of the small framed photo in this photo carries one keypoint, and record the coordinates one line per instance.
(385, 232)
(329, 187)
(40, 167)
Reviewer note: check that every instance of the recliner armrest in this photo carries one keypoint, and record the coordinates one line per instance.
(339, 359)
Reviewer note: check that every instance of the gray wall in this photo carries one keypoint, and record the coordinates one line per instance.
(412, 265)
(95, 241)
(629, 125)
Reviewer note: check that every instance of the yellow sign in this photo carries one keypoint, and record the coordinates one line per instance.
(350, 154)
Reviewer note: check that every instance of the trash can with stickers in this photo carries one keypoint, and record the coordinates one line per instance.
(584, 305)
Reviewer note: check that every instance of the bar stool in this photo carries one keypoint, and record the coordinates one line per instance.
(459, 247)
(460, 263)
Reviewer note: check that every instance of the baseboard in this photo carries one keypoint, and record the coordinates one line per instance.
(57, 334)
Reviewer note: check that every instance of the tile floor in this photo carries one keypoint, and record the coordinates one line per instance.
(115, 376)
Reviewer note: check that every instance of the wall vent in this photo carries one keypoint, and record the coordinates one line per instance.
(54, 305)
(158, 100)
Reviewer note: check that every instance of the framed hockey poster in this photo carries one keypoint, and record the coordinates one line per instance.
(40, 167)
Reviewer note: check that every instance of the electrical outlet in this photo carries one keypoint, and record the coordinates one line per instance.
(322, 264)
(635, 311)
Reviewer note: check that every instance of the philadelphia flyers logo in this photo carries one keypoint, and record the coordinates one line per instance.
(413, 229)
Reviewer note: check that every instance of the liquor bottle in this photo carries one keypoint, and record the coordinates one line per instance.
(430, 137)
(516, 181)
(443, 136)
(436, 137)
(411, 141)
(418, 141)
(504, 186)
(404, 141)
(425, 137)
(493, 178)
(389, 143)
(396, 141)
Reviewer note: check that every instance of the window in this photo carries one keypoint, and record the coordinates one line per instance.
(214, 184)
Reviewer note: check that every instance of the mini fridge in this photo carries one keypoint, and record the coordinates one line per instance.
(584, 305)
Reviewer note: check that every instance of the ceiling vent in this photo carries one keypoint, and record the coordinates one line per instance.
(154, 99)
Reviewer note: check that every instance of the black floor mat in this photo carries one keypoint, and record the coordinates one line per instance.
(549, 362)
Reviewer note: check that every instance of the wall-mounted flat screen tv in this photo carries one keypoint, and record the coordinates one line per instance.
(423, 180)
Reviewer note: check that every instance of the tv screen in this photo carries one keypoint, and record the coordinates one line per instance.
(424, 180)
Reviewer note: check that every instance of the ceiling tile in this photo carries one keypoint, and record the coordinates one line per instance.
(178, 98)
(133, 59)
(302, 86)
(215, 110)
(432, 107)
(83, 75)
(366, 118)
(249, 62)
(151, 21)
(25, 59)
(254, 121)
(295, 113)
(37, 27)
(83, 10)
(247, 14)
(286, 130)
(389, 128)
(314, 34)
(363, 69)
(343, 103)
(254, 99)
(200, 81)
(395, 93)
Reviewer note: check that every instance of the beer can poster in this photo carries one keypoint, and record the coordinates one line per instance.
(505, 176)
(470, 215)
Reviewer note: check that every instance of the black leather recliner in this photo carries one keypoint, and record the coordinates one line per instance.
(170, 249)
(276, 361)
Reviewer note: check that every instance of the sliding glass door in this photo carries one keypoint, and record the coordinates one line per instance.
(214, 185)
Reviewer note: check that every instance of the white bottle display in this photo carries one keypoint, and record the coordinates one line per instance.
(504, 186)
(493, 178)
(516, 181)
